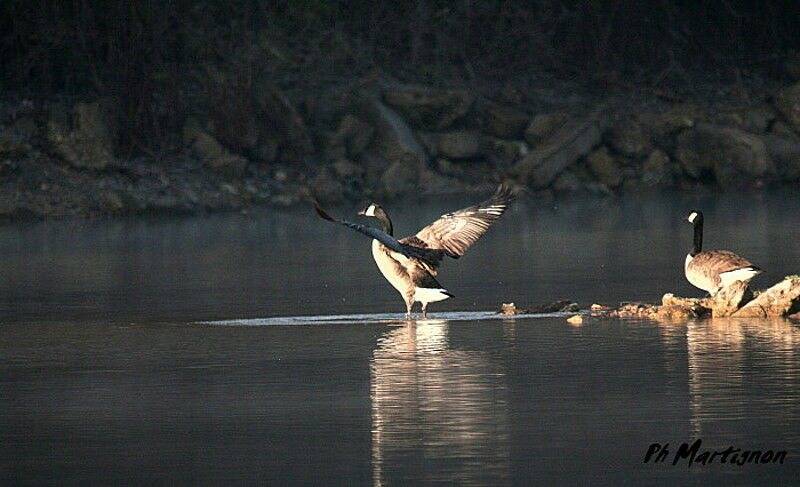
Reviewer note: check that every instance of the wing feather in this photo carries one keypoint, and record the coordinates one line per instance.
(455, 232)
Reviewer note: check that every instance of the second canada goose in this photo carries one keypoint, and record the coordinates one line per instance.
(713, 270)
(409, 264)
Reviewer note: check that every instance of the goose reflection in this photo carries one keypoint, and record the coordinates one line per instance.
(438, 414)
(727, 359)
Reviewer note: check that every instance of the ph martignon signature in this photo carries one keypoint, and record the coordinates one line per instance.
(658, 453)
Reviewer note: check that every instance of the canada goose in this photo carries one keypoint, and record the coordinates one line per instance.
(409, 264)
(713, 270)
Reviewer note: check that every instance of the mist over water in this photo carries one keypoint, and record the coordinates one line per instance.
(111, 373)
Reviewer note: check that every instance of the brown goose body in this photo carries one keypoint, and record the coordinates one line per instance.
(713, 270)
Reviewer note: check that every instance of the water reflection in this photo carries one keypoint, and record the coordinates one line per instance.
(438, 414)
(737, 368)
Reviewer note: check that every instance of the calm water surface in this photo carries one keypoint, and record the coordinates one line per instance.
(116, 369)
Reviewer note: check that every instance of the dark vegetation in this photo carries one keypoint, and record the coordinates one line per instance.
(255, 67)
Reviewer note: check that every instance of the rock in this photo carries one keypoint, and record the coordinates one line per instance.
(210, 151)
(394, 139)
(675, 119)
(785, 152)
(782, 299)
(510, 309)
(787, 101)
(399, 178)
(432, 183)
(13, 145)
(428, 108)
(670, 299)
(284, 116)
(728, 300)
(677, 312)
(751, 119)
(629, 138)
(85, 135)
(782, 129)
(604, 167)
(325, 188)
(353, 134)
(575, 320)
(735, 158)
(448, 168)
(345, 169)
(563, 306)
(542, 125)
(458, 145)
(656, 170)
(502, 152)
(540, 167)
(505, 122)
(567, 182)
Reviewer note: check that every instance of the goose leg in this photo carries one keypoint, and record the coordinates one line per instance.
(424, 311)
(409, 305)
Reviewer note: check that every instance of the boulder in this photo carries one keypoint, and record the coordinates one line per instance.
(604, 167)
(629, 138)
(502, 152)
(399, 178)
(393, 140)
(458, 145)
(540, 167)
(542, 125)
(213, 154)
(656, 169)
(755, 119)
(563, 306)
(787, 101)
(505, 122)
(785, 152)
(432, 183)
(428, 108)
(510, 309)
(676, 119)
(326, 188)
(728, 300)
(353, 134)
(345, 169)
(735, 158)
(86, 134)
(782, 299)
(283, 115)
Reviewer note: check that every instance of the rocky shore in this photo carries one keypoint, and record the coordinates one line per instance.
(782, 300)
(379, 138)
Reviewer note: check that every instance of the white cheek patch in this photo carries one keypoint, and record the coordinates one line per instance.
(692, 216)
(370, 211)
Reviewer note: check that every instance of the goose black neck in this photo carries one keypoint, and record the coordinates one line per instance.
(384, 219)
(698, 236)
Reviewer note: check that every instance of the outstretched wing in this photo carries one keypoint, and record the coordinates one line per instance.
(429, 255)
(456, 232)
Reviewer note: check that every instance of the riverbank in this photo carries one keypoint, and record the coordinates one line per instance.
(381, 139)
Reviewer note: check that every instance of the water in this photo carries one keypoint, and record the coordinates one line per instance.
(267, 349)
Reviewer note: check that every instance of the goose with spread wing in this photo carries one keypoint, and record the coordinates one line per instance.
(410, 264)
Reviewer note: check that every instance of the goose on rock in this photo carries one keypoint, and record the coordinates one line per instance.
(410, 264)
(714, 270)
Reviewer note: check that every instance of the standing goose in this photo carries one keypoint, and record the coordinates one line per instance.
(409, 264)
(713, 270)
